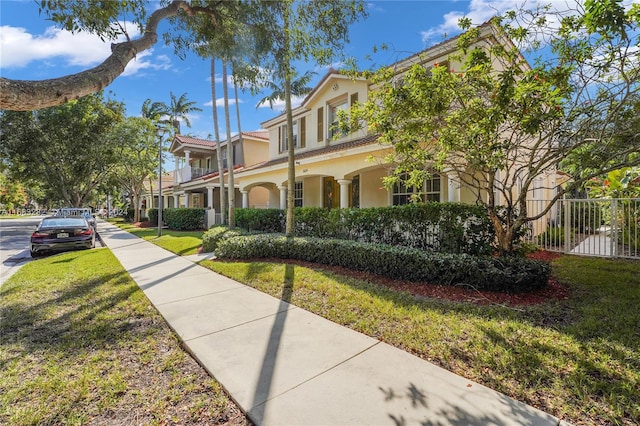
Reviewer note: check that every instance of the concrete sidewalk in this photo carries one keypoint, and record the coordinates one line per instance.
(286, 366)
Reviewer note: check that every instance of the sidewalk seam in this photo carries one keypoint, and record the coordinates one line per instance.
(316, 376)
(239, 324)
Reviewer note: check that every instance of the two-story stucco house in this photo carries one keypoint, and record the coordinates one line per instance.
(333, 170)
(195, 179)
(346, 170)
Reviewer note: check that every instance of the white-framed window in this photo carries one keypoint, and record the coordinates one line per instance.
(299, 135)
(430, 191)
(333, 129)
(298, 193)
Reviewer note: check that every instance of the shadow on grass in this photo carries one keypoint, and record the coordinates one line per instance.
(570, 353)
(75, 316)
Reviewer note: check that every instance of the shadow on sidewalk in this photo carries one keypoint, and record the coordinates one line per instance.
(269, 362)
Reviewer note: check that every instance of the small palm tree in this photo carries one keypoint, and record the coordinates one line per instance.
(179, 110)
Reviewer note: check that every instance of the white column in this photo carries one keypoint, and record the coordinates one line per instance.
(453, 189)
(187, 199)
(283, 197)
(344, 193)
(210, 196)
(245, 199)
(176, 165)
(187, 153)
(176, 201)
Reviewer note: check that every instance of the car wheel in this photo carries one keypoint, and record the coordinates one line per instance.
(35, 254)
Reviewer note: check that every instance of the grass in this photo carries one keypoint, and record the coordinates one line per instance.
(182, 243)
(81, 344)
(578, 359)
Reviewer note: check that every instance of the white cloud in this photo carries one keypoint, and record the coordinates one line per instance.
(279, 105)
(19, 48)
(220, 102)
(141, 62)
(479, 11)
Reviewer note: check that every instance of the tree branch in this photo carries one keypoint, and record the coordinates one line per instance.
(28, 95)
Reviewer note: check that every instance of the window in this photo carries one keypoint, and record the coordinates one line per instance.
(402, 193)
(333, 129)
(320, 124)
(298, 194)
(355, 192)
(299, 135)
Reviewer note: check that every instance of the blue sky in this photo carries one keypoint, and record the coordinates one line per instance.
(32, 48)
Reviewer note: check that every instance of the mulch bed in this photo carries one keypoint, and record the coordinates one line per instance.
(553, 291)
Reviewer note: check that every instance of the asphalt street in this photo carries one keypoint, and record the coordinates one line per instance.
(14, 244)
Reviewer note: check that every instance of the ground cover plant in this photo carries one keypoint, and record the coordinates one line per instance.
(81, 344)
(574, 352)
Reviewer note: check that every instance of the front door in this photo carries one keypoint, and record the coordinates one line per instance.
(330, 193)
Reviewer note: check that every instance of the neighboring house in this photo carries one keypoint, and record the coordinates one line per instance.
(195, 180)
(335, 170)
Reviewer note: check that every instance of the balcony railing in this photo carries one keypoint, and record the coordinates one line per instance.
(186, 174)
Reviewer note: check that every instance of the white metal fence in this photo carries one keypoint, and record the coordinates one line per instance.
(598, 227)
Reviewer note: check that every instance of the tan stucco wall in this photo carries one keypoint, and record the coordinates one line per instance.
(372, 194)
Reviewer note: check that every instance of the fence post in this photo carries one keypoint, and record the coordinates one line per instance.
(614, 227)
(567, 223)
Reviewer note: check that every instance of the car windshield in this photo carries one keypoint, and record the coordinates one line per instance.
(59, 222)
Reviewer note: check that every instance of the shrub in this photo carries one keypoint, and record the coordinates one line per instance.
(552, 237)
(183, 219)
(265, 220)
(153, 216)
(215, 234)
(511, 274)
(444, 227)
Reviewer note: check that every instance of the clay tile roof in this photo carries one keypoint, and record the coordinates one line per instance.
(258, 134)
(194, 141)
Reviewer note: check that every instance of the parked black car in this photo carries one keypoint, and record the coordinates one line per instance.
(79, 211)
(58, 233)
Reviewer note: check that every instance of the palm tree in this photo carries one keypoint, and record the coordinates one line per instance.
(223, 207)
(179, 110)
(232, 192)
(299, 87)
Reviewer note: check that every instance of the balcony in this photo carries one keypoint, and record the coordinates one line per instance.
(186, 174)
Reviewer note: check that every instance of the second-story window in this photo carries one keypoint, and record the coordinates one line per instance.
(333, 130)
(299, 135)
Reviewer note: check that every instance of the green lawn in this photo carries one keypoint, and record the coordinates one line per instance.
(182, 243)
(81, 344)
(577, 359)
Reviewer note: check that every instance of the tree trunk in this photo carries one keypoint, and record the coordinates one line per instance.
(232, 192)
(216, 127)
(291, 170)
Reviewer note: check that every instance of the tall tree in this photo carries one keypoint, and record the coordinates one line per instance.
(496, 124)
(230, 163)
(216, 127)
(137, 147)
(178, 110)
(311, 31)
(102, 18)
(64, 147)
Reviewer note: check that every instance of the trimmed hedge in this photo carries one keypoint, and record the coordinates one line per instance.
(179, 219)
(510, 275)
(442, 227)
(217, 233)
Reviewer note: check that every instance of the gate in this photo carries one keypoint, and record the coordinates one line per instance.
(598, 227)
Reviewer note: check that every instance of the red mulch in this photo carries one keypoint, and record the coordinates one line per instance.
(553, 291)
(145, 224)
